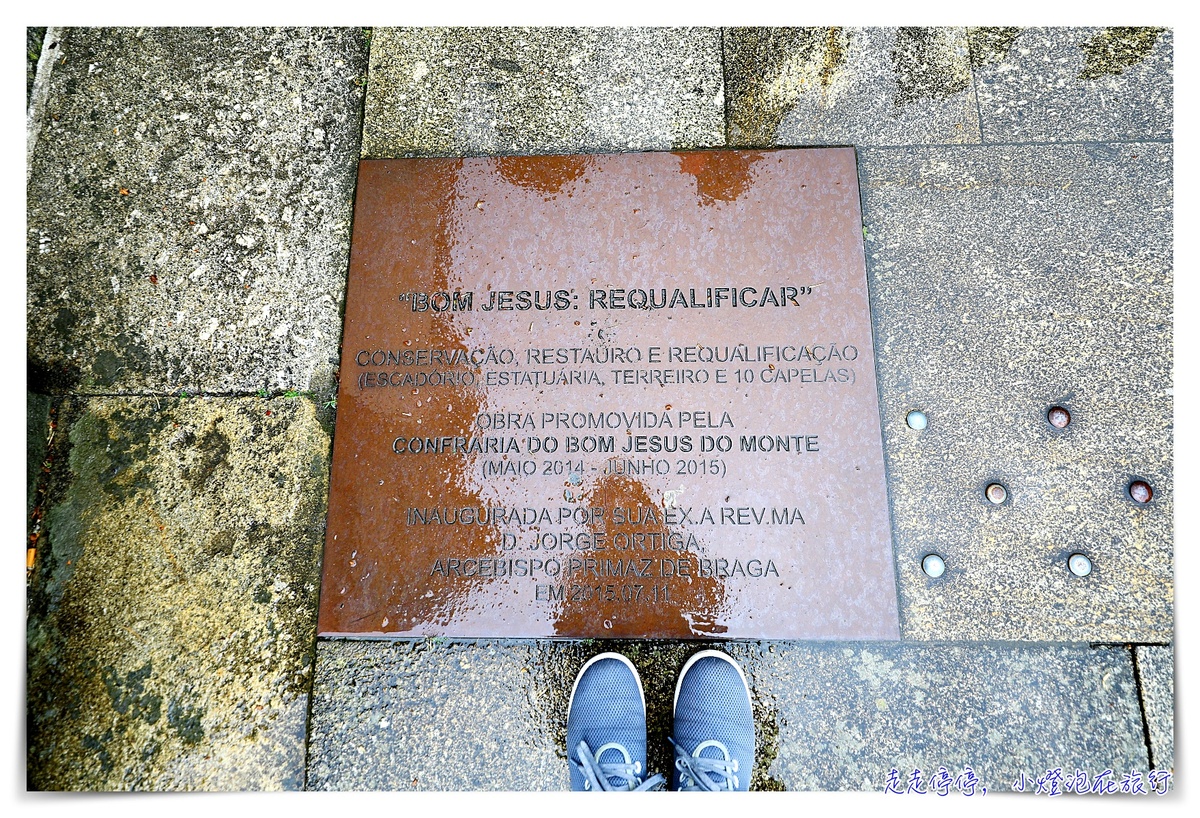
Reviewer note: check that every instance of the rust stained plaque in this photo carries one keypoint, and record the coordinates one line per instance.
(609, 396)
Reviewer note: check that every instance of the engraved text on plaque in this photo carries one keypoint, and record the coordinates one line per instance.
(609, 396)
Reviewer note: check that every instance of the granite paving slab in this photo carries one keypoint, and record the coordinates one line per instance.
(172, 610)
(189, 209)
(468, 91)
(849, 714)
(1006, 281)
(433, 715)
(849, 86)
(1074, 84)
(1156, 670)
(429, 715)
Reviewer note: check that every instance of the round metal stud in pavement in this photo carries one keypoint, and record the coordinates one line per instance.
(1079, 565)
(1059, 417)
(996, 493)
(933, 565)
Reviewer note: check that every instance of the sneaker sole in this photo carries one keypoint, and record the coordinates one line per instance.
(637, 678)
(702, 654)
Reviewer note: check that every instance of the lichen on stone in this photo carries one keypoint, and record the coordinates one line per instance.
(173, 603)
(927, 65)
(1115, 49)
(769, 68)
(991, 44)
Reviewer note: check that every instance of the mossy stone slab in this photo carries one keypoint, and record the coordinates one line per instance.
(172, 610)
(849, 86)
(1074, 84)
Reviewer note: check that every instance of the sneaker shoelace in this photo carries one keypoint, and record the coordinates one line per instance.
(699, 773)
(597, 774)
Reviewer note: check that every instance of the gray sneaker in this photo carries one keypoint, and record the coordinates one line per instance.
(606, 728)
(714, 725)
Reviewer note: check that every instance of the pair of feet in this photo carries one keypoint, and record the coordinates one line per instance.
(713, 732)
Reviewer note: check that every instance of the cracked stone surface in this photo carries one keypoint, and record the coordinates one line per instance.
(173, 610)
(433, 715)
(850, 86)
(1075, 84)
(189, 210)
(468, 91)
(1156, 665)
(1044, 276)
(37, 428)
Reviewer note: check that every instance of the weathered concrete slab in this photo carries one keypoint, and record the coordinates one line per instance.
(173, 608)
(849, 86)
(1156, 668)
(467, 91)
(1074, 84)
(430, 716)
(848, 714)
(1006, 280)
(189, 210)
(449, 716)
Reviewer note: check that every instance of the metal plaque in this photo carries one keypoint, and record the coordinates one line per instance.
(609, 396)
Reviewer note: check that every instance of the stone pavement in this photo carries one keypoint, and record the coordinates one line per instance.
(190, 201)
